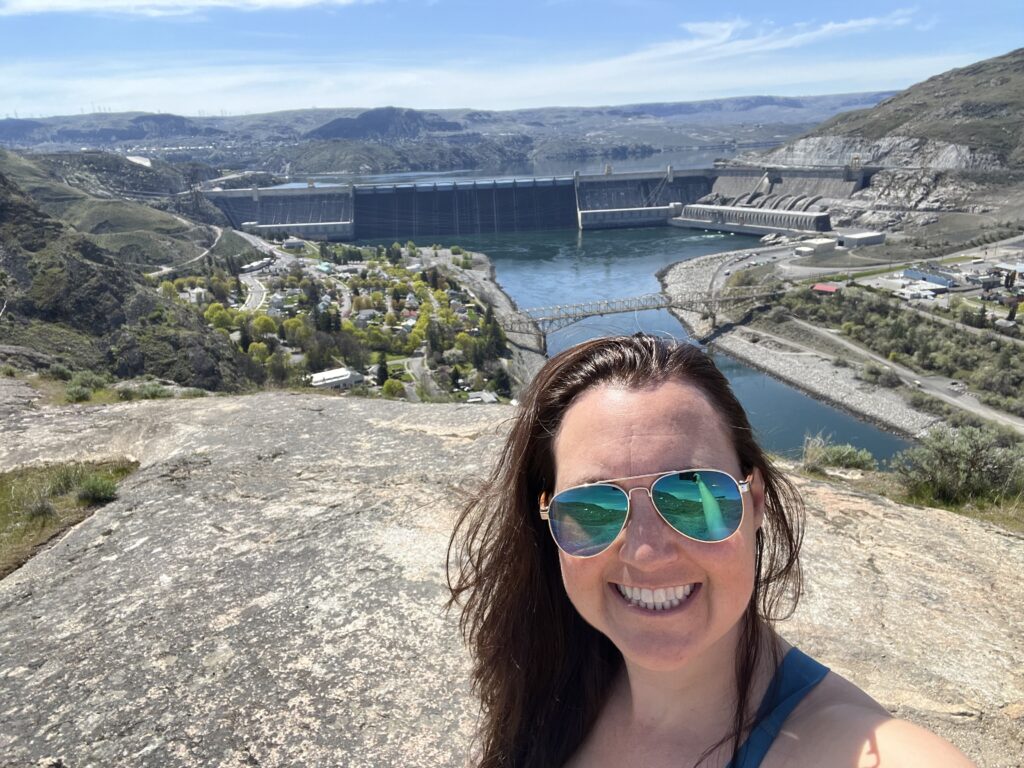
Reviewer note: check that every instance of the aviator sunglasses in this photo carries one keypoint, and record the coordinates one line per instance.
(701, 504)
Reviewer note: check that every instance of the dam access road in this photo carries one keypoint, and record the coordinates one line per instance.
(268, 590)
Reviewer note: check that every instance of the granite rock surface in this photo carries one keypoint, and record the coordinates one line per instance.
(268, 590)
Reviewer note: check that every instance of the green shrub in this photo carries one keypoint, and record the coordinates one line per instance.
(954, 466)
(97, 489)
(127, 393)
(58, 371)
(153, 391)
(192, 392)
(89, 380)
(77, 394)
(819, 452)
(889, 379)
(457, 251)
(393, 388)
(9, 371)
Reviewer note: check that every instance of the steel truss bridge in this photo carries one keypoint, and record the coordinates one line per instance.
(548, 319)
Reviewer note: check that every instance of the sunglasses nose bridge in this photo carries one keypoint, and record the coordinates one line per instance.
(644, 490)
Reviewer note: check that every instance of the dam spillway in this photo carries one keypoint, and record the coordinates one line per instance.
(482, 206)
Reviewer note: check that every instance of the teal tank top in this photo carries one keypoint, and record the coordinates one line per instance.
(795, 678)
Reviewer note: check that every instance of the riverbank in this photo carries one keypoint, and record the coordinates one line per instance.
(527, 349)
(811, 371)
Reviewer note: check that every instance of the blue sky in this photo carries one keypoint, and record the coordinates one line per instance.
(242, 56)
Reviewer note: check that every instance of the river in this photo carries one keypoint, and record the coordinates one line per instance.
(558, 267)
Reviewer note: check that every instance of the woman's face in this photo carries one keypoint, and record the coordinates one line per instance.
(611, 432)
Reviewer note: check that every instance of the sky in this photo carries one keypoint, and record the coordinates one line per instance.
(213, 57)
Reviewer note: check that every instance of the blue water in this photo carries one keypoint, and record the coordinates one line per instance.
(544, 268)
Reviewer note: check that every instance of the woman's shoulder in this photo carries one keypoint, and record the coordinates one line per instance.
(838, 724)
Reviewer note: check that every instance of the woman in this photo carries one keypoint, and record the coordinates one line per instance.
(620, 574)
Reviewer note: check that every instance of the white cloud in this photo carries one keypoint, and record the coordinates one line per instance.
(154, 7)
(712, 60)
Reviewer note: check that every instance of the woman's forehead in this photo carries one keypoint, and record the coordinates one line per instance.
(612, 431)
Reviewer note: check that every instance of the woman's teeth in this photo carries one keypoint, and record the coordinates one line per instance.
(660, 599)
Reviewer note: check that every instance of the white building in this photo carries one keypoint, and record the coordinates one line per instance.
(336, 378)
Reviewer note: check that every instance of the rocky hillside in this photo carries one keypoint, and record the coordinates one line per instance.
(70, 301)
(967, 119)
(267, 590)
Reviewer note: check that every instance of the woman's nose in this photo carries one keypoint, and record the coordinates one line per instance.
(649, 541)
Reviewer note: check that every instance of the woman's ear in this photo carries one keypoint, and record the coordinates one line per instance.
(757, 496)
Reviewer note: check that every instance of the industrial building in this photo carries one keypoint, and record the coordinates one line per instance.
(745, 200)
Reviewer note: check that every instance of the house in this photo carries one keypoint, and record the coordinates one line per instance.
(826, 289)
(294, 244)
(336, 378)
(364, 317)
(487, 398)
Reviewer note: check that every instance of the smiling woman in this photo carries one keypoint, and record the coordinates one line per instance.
(620, 575)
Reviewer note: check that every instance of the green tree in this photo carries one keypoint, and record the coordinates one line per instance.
(393, 388)
(264, 326)
(259, 352)
(382, 369)
(278, 366)
(167, 290)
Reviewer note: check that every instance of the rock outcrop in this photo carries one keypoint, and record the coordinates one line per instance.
(889, 151)
(268, 590)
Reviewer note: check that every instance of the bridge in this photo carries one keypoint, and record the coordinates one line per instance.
(553, 318)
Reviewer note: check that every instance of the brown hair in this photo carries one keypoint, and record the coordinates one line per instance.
(541, 672)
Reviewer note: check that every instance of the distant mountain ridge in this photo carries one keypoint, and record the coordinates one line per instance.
(970, 118)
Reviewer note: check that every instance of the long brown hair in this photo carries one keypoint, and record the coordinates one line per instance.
(541, 672)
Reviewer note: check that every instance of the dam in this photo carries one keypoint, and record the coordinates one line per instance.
(743, 199)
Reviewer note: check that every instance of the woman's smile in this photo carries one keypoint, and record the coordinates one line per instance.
(659, 600)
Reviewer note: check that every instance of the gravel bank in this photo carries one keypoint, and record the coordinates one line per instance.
(811, 373)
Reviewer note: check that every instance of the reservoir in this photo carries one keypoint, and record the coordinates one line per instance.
(540, 269)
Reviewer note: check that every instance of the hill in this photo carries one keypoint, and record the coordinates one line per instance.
(70, 301)
(268, 590)
(386, 123)
(969, 119)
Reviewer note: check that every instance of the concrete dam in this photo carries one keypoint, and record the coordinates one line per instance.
(753, 200)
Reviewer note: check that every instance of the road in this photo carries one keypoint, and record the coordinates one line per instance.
(936, 386)
(172, 267)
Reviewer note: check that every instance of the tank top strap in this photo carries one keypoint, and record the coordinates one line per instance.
(793, 680)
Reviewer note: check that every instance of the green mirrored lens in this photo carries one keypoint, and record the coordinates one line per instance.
(705, 505)
(584, 521)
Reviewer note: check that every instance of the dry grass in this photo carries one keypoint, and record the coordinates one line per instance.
(39, 503)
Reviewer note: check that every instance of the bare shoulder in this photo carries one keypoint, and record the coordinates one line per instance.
(839, 724)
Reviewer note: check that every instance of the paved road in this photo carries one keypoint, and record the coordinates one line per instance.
(937, 386)
(257, 292)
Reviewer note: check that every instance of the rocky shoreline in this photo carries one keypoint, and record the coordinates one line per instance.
(813, 374)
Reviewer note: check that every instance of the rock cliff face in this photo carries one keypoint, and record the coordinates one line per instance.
(267, 590)
(891, 151)
(964, 119)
